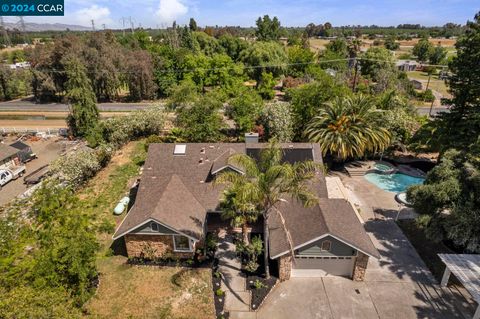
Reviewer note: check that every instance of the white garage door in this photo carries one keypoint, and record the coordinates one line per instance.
(322, 266)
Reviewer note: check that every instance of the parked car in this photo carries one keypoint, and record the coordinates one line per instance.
(14, 172)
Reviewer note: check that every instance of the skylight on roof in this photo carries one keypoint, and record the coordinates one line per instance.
(180, 149)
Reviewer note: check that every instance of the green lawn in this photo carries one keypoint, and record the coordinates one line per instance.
(435, 83)
(137, 291)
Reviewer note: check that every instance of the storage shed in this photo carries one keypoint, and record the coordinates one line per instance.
(25, 153)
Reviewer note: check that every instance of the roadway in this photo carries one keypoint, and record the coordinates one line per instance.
(29, 106)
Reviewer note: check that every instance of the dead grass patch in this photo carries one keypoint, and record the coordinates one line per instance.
(151, 292)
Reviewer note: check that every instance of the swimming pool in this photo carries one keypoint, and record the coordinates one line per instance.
(395, 183)
(382, 167)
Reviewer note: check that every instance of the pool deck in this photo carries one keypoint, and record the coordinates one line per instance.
(360, 168)
(373, 202)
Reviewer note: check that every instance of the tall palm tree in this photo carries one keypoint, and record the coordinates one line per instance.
(349, 127)
(238, 208)
(269, 181)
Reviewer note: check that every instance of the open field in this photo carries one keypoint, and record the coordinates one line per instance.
(137, 291)
(406, 46)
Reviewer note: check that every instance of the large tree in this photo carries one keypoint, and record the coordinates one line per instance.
(460, 127)
(422, 50)
(349, 127)
(200, 120)
(84, 113)
(268, 29)
(449, 199)
(269, 181)
(264, 57)
(307, 100)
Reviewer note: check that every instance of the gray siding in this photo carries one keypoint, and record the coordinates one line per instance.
(146, 229)
(337, 249)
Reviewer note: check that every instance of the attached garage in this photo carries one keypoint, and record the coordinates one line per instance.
(327, 240)
(322, 266)
(324, 257)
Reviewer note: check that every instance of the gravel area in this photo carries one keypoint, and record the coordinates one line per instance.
(47, 151)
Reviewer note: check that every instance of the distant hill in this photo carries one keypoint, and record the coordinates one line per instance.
(36, 27)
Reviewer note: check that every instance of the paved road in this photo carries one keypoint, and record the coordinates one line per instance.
(28, 106)
(435, 110)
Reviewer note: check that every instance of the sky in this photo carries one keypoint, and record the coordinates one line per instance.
(153, 13)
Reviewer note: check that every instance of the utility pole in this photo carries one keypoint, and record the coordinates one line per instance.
(24, 29)
(428, 82)
(104, 26)
(6, 39)
(123, 19)
(131, 25)
(354, 86)
(93, 25)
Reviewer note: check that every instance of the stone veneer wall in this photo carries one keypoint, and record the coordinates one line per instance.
(360, 267)
(148, 246)
(284, 267)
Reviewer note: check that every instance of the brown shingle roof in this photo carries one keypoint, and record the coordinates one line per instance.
(329, 217)
(222, 161)
(173, 188)
(7, 151)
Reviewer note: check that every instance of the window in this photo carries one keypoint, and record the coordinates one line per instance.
(181, 243)
(154, 226)
(326, 245)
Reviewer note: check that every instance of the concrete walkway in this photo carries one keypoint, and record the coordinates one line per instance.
(237, 297)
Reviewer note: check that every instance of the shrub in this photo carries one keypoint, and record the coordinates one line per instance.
(77, 167)
(120, 130)
(251, 251)
(277, 121)
(426, 96)
(259, 285)
(219, 292)
(152, 139)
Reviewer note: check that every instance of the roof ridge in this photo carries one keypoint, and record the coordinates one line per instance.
(221, 155)
(183, 185)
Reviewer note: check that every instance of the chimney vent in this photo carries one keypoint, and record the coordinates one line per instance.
(251, 137)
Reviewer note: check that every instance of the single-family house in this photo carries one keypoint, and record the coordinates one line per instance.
(406, 65)
(177, 204)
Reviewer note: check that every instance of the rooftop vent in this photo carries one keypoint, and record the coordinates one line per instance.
(180, 149)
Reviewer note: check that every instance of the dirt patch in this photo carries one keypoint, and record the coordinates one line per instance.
(150, 292)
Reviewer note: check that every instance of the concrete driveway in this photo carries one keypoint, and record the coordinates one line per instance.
(397, 286)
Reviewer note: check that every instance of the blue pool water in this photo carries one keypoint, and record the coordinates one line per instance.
(382, 167)
(396, 183)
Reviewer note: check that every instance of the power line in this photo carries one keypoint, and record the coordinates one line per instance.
(251, 67)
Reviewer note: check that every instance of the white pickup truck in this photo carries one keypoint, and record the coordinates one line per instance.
(7, 175)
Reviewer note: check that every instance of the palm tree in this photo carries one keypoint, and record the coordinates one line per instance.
(269, 181)
(349, 127)
(238, 208)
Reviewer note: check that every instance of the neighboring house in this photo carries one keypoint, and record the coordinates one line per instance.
(8, 156)
(407, 66)
(25, 153)
(177, 205)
